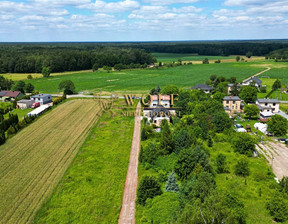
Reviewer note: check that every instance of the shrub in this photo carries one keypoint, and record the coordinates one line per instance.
(148, 188)
(278, 207)
(242, 168)
(29, 77)
(221, 163)
(244, 144)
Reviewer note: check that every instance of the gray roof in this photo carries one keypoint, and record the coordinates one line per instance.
(41, 95)
(25, 101)
(268, 100)
(203, 87)
(232, 98)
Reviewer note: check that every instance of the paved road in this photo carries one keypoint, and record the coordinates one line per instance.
(281, 113)
(128, 210)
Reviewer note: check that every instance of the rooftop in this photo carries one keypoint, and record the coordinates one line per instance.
(13, 94)
(41, 95)
(203, 87)
(268, 100)
(232, 98)
(163, 97)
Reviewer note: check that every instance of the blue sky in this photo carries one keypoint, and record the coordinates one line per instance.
(144, 20)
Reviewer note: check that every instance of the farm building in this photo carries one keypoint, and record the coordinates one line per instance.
(232, 105)
(10, 95)
(204, 87)
(38, 111)
(268, 105)
(24, 104)
(42, 98)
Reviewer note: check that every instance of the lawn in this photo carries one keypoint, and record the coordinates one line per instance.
(142, 80)
(20, 112)
(91, 190)
(35, 159)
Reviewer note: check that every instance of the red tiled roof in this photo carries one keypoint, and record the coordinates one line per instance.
(12, 94)
(163, 97)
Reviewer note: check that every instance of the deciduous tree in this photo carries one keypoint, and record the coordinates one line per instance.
(277, 125)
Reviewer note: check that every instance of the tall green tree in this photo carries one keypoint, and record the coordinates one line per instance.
(276, 85)
(68, 86)
(148, 188)
(221, 163)
(251, 111)
(244, 144)
(277, 125)
(237, 58)
(248, 94)
(46, 71)
(166, 140)
(19, 86)
(29, 88)
(242, 168)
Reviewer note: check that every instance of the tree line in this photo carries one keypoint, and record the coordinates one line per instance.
(31, 58)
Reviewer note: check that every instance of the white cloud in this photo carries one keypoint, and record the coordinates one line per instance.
(246, 2)
(169, 2)
(62, 2)
(116, 7)
(188, 9)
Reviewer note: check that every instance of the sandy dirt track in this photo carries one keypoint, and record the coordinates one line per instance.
(128, 210)
(277, 155)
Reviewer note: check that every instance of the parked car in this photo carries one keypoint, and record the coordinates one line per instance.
(238, 126)
(35, 105)
(282, 140)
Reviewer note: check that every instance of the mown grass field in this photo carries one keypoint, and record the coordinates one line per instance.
(21, 113)
(170, 57)
(91, 190)
(142, 80)
(34, 161)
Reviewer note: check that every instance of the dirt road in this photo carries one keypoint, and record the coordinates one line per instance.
(127, 214)
(277, 155)
(266, 70)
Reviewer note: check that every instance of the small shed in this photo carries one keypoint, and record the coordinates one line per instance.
(24, 104)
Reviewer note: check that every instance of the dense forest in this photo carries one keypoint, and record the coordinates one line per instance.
(31, 58)
(60, 57)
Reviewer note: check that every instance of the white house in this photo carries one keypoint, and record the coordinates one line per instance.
(255, 79)
(268, 105)
(159, 110)
(42, 98)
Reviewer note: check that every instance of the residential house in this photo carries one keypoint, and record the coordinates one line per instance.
(6, 95)
(268, 105)
(255, 79)
(159, 110)
(42, 98)
(265, 116)
(204, 87)
(230, 87)
(24, 104)
(232, 105)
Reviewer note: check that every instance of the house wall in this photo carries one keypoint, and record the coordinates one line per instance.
(274, 107)
(233, 105)
(25, 105)
(42, 100)
(164, 103)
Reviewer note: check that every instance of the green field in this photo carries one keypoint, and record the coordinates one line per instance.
(141, 81)
(21, 113)
(170, 57)
(91, 191)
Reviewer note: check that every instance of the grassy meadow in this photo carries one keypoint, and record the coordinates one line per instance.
(91, 190)
(142, 80)
(34, 161)
(170, 57)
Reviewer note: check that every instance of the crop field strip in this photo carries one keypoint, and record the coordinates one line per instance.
(33, 161)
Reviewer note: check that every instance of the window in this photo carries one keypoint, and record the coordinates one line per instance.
(154, 104)
(232, 107)
(266, 104)
(227, 101)
(233, 102)
(274, 104)
(38, 98)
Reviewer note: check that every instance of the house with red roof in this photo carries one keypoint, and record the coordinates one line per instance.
(6, 95)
